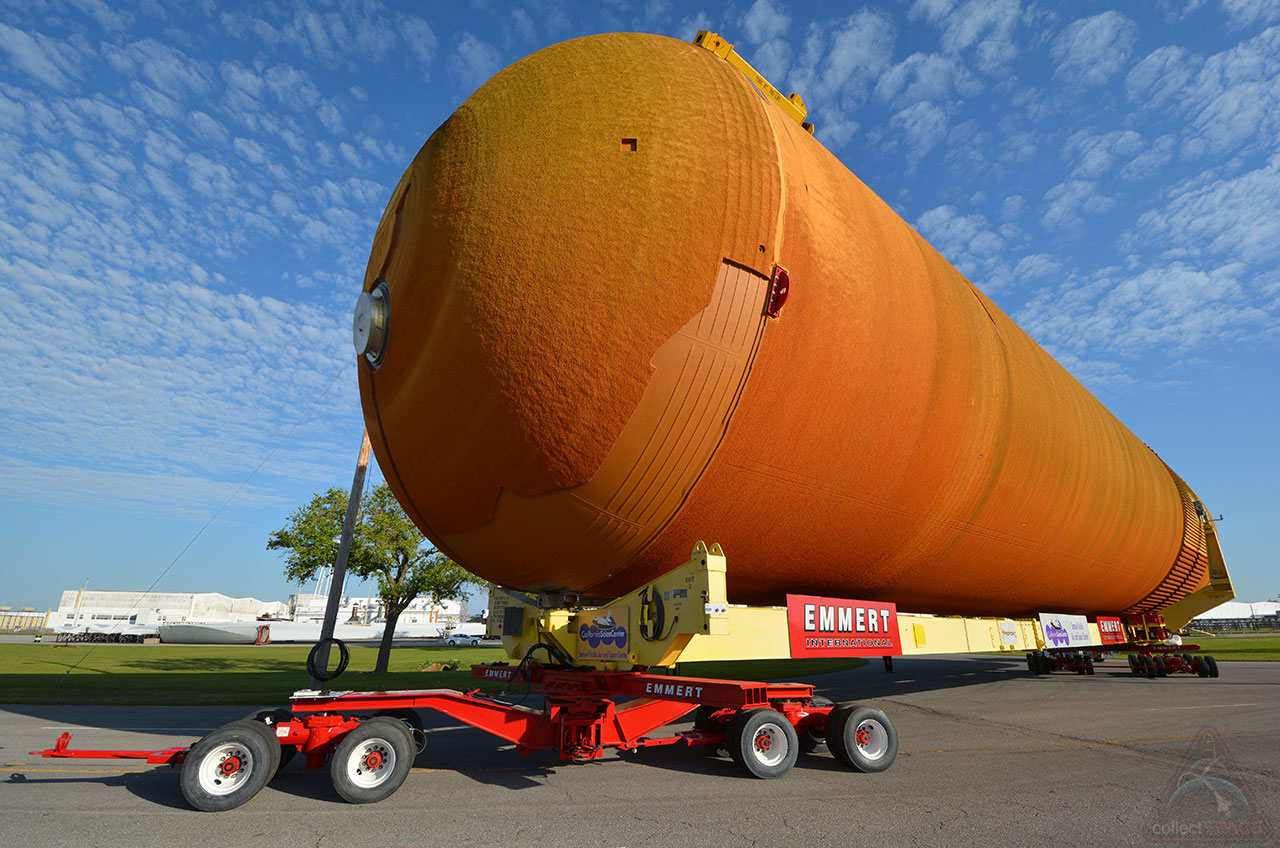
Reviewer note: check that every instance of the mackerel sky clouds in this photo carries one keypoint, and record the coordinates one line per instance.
(188, 193)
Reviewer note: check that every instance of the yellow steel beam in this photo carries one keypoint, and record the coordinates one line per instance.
(793, 105)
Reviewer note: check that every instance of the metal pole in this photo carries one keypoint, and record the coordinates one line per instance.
(338, 581)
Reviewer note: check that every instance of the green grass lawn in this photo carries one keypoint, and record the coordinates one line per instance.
(249, 675)
(1256, 648)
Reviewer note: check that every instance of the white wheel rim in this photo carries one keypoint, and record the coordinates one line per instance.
(225, 769)
(769, 744)
(371, 763)
(876, 739)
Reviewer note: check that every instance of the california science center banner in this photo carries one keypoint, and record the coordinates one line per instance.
(1065, 631)
(837, 627)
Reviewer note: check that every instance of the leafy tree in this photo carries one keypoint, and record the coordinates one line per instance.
(385, 546)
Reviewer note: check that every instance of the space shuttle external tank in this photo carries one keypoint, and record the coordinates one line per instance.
(570, 372)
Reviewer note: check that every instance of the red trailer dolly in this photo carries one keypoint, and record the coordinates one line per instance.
(763, 725)
(1144, 659)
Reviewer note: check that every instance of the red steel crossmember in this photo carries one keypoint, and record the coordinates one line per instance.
(579, 719)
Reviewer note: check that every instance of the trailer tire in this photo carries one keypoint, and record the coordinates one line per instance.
(1088, 664)
(269, 719)
(229, 766)
(372, 761)
(867, 738)
(1212, 665)
(413, 723)
(1202, 667)
(763, 742)
(1133, 663)
(1162, 670)
(1031, 663)
(835, 734)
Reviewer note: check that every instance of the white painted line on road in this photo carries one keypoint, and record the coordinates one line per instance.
(1202, 707)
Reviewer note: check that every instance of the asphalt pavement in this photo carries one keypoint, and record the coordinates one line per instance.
(989, 754)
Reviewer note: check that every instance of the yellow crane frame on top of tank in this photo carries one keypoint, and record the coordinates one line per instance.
(792, 104)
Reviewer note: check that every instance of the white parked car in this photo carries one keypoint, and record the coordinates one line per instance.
(465, 634)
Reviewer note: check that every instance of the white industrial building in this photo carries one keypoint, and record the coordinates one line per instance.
(1239, 615)
(422, 610)
(97, 608)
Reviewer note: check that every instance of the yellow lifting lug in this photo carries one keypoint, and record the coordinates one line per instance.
(792, 105)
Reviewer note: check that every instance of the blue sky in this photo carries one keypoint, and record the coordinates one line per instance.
(188, 192)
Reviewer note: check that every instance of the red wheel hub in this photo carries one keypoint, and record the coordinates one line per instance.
(372, 760)
(763, 741)
(863, 736)
(230, 766)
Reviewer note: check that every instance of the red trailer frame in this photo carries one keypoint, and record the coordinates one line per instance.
(764, 726)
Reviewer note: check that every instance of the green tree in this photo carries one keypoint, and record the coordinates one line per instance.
(386, 546)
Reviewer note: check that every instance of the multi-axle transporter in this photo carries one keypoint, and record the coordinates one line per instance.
(603, 671)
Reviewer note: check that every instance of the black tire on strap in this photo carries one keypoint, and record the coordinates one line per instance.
(344, 657)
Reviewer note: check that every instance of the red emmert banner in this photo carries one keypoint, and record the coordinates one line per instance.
(1111, 631)
(837, 627)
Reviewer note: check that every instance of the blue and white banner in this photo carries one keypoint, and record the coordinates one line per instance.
(1065, 631)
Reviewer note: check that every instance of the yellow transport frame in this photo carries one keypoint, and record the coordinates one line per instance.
(684, 616)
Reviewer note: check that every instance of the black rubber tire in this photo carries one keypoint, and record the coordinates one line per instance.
(835, 733)
(1212, 664)
(255, 747)
(1161, 669)
(1148, 665)
(384, 736)
(763, 742)
(1133, 663)
(270, 718)
(413, 721)
(1202, 667)
(344, 657)
(1088, 664)
(880, 748)
(287, 753)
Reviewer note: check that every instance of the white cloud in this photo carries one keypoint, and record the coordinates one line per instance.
(925, 76)
(968, 243)
(1089, 51)
(922, 125)
(168, 70)
(1175, 306)
(1094, 153)
(473, 61)
(1244, 13)
(983, 27)
(845, 59)
(1070, 201)
(764, 21)
(52, 62)
(420, 39)
(1235, 218)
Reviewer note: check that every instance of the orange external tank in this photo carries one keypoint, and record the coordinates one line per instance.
(570, 375)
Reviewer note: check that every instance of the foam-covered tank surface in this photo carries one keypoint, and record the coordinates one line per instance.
(579, 379)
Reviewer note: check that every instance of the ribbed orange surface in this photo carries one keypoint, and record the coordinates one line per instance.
(580, 383)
